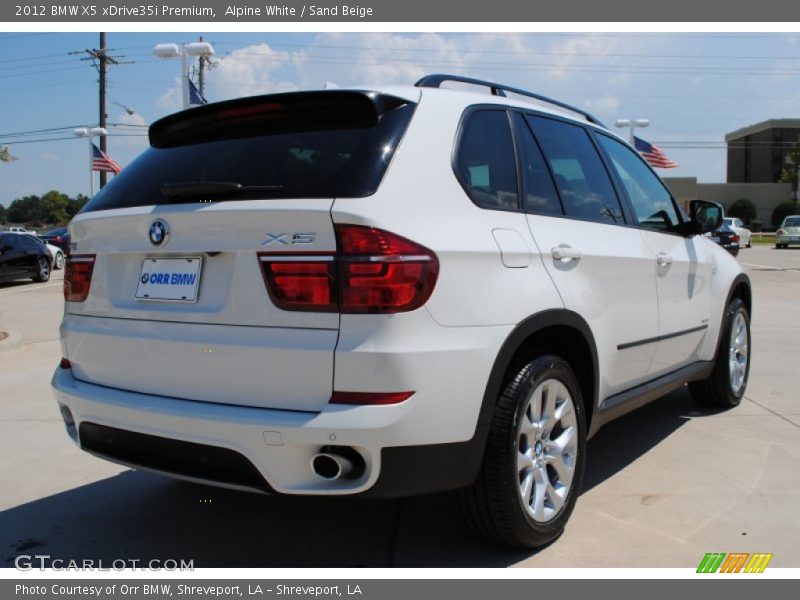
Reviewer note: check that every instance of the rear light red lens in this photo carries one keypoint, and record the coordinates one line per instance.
(300, 282)
(735, 238)
(370, 398)
(374, 271)
(78, 277)
(380, 272)
(780, 232)
(65, 364)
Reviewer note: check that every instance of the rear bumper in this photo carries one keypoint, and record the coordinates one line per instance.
(787, 239)
(261, 449)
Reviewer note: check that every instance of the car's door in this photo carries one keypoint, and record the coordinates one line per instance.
(682, 267)
(13, 257)
(600, 266)
(32, 250)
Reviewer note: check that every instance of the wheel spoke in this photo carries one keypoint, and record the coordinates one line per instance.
(524, 462)
(564, 442)
(540, 489)
(556, 500)
(526, 488)
(563, 471)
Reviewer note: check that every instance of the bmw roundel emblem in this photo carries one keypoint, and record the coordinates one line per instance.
(159, 232)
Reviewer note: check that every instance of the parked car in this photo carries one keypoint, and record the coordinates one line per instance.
(391, 291)
(745, 235)
(21, 257)
(788, 233)
(726, 237)
(18, 229)
(58, 237)
(56, 253)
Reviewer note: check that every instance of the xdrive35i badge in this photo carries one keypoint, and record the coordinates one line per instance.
(159, 232)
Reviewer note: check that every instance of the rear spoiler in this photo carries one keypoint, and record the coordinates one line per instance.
(273, 113)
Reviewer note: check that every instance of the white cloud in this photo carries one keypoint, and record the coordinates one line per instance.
(134, 138)
(172, 99)
(605, 104)
(50, 157)
(248, 71)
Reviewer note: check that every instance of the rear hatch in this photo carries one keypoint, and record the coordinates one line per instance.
(177, 304)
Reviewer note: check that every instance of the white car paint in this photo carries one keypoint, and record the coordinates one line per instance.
(745, 235)
(235, 371)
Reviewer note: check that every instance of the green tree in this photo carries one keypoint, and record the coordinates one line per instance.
(25, 210)
(54, 207)
(783, 210)
(75, 204)
(2, 213)
(743, 209)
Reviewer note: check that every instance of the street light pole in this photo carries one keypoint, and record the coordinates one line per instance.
(89, 133)
(631, 124)
(184, 51)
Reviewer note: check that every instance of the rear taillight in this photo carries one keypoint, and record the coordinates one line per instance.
(78, 277)
(780, 232)
(374, 271)
(300, 281)
(735, 238)
(57, 239)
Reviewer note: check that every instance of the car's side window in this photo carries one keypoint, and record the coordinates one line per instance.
(485, 160)
(651, 200)
(29, 243)
(581, 178)
(11, 241)
(538, 190)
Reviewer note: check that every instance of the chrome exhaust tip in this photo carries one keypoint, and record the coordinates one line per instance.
(330, 466)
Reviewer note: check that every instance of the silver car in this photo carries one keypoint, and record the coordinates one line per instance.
(789, 232)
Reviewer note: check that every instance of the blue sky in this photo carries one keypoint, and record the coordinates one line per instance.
(693, 87)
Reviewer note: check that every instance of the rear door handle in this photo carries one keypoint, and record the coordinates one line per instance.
(663, 259)
(565, 253)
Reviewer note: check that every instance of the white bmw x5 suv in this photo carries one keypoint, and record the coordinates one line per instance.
(387, 292)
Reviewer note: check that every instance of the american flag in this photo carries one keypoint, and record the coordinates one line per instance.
(654, 155)
(103, 162)
(195, 97)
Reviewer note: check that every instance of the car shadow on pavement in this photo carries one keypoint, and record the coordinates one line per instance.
(140, 516)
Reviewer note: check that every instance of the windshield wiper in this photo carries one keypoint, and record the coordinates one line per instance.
(191, 189)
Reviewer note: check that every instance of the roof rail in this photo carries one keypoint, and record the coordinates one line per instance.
(498, 89)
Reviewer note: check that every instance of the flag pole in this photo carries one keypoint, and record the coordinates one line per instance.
(91, 162)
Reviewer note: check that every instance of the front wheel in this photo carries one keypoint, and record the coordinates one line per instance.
(726, 385)
(42, 270)
(534, 461)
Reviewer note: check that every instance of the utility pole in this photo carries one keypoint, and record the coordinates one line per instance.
(101, 59)
(101, 67)
(203, 62)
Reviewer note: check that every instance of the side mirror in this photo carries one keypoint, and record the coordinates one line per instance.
(706, 216)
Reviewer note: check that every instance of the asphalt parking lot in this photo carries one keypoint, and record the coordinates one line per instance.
(664, 485)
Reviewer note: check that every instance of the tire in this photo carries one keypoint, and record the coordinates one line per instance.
(42, 271)
(721, 388)
(493, 507)
(58, 262)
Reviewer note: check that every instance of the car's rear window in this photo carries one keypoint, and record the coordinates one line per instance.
(792, 222)
(328, 149)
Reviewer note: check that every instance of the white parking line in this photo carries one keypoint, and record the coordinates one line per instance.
(28, 289)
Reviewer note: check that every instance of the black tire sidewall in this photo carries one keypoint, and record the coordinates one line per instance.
(735, 307)
(547, 367)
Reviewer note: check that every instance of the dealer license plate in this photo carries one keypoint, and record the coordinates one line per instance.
(170, 279)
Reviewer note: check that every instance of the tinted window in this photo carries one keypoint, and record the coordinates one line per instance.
(485, 164)
(10, 240)
(310, 160)
(651, 201)
(580, 176)
(539, 193)
(30, 243)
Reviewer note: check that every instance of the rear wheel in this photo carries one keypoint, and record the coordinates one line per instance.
(42, 270)
(727, 382)
(534, 460)
(58, 263)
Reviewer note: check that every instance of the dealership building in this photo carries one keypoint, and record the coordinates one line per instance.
(757, 155)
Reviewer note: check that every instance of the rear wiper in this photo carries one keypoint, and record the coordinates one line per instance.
(187, 189)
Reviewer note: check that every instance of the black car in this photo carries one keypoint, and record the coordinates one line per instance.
(58, 237)
(23, 257)
(727, 238)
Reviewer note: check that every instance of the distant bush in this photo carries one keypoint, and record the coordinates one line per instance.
(783, 210)
(756, 225)
(743, 209)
